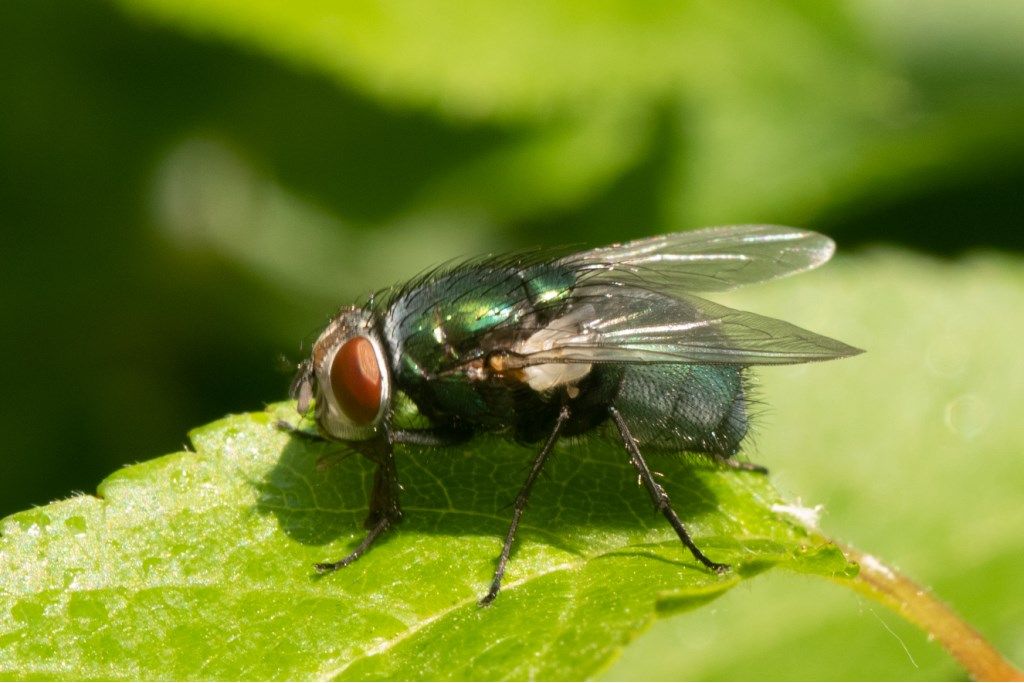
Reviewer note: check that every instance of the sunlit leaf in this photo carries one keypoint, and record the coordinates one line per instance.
(913, 450)
(199, 565)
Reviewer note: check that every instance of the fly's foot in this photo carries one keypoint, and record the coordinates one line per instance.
(719, 568)
(489, 598)
(751, 467)
(328, 567)
(716, 567)
(734, 464)
(381, 525)
(290, 429)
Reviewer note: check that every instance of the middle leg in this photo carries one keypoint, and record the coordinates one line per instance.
(520, 505)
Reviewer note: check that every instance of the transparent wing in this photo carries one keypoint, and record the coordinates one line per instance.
(629, 325)
(714, 259)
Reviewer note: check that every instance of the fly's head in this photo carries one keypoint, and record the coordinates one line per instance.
(348, 375)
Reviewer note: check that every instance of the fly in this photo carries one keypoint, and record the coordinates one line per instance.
(538, 347)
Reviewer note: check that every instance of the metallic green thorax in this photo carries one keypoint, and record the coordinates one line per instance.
(439, 324)
(540, 346)
(431, 325)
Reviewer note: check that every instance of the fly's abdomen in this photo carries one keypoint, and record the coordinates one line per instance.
(696, 408)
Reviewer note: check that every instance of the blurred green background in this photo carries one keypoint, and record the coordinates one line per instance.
(188, 189)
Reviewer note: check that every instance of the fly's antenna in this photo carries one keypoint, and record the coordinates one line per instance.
(302, 387)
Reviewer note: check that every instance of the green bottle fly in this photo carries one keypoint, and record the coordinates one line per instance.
(538, 346)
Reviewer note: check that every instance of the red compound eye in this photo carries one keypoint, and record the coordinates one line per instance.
(356, 380)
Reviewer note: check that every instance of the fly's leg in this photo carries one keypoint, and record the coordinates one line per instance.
(734, 464)
(327, 459)
(429, 437)
(658, 495)
(382, 525)
(385, 510)
(520, 505)
(292, 430)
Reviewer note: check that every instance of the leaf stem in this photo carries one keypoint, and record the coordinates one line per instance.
(884, 584)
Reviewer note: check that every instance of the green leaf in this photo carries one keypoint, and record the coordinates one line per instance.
(914, 450)
(775, 111)
(199, 564)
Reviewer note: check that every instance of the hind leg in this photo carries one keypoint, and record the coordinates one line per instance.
(658, 495)
(734, 464)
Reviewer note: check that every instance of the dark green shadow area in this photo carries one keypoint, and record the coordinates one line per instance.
(99, 308)
(587, 484)
(980, 207)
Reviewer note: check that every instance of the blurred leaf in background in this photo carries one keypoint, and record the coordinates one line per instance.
(188, 189)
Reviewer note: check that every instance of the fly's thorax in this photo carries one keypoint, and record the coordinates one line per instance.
(452, 318)
(433, 328)
(349, 375)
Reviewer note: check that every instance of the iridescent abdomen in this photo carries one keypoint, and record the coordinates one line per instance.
(679, 407)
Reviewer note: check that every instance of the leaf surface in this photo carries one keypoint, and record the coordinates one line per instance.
(199, 564)
(914, 451)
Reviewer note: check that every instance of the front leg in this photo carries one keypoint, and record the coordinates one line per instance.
(293, 430)
(385, 510)
(429, 437)
(326, 460)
